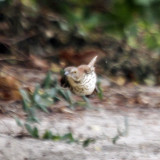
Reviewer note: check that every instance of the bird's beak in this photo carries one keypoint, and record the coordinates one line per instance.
(66, 73)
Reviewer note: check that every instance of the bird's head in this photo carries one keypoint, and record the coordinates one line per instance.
(77, 74)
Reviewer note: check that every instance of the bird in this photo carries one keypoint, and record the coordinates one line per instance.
(82, 79)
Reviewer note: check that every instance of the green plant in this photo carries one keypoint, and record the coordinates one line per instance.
(121, 133)
(44, 95)
(99, 90)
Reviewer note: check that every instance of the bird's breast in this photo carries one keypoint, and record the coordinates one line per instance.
(86, 86)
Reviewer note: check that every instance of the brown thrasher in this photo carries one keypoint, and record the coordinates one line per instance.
(82, 79)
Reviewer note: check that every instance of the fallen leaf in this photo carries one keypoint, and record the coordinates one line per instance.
(38, 63)
(55, 68)
(8, 95)
(65, 110)
(120, 80)
(9, 82)
(9, 88)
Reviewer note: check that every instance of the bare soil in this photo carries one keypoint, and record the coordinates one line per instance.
(140, 104)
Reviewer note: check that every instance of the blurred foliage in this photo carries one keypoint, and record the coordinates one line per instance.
(50, 93)
(121, 133)
(47, 94)
(127, 31)
(128, 19)
(42, 98)
(99, 90)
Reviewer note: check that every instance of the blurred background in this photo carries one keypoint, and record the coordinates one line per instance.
(37, 36)
(124, 34)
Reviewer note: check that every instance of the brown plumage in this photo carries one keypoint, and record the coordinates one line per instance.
(82, 79)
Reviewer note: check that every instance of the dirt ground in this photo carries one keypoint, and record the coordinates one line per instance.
(140, 104)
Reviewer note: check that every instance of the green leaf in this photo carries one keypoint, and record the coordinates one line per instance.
(29, 128)
(33, 131)
(88, 104)
(115, 139)
(43, 108)
(25, 95)
(51, 92)
(47, 81)
(33, 119)
(36, 92)
(26, 101)
(25, 105)
(55, 83)
(62, 93)
(150, 41)
(68, 96)
(121, 133)
(99, 90)
(65, 95)
(19, 123)
(43, 101)
(88, 141)
(56, 138)
(31, 112)
(48, 135)
(68, 138)
(31, 115)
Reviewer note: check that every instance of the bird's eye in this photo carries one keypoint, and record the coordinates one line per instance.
(74, 72)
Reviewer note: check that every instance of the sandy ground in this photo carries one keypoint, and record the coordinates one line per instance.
(139, 104)
(142, 141)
